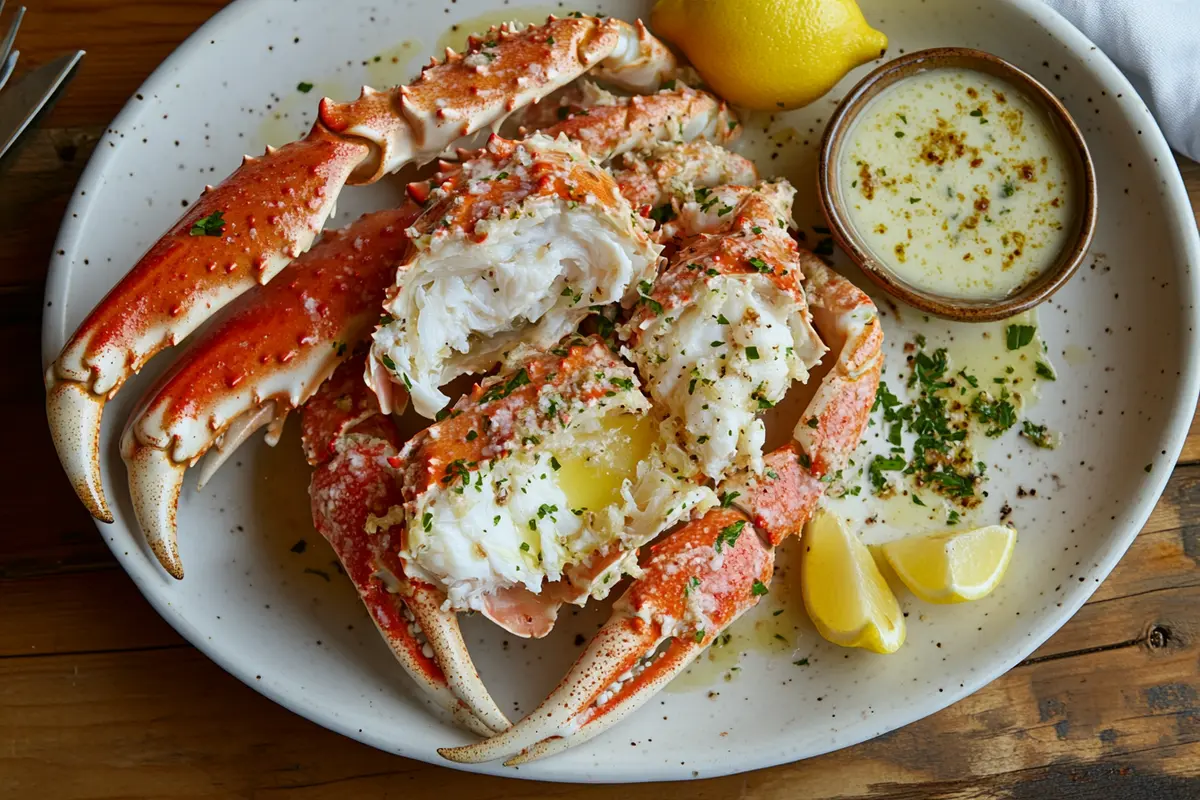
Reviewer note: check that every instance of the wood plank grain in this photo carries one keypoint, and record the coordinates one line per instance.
(125, 40)
(100, 698)
(1072, 726)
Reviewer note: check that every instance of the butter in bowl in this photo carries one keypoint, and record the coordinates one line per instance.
(959, 184)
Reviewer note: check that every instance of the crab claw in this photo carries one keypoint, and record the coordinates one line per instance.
(244, 231)
(266, 357)
(352, 490)
(696, 583)
(236, 236)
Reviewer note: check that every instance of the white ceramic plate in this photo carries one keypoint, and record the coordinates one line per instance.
(1122, 335)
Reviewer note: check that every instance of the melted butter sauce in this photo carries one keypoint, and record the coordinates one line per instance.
(292, 114)
(958, 183)
(456, 35)
(592, 472)
(777, 628)
(981, 351)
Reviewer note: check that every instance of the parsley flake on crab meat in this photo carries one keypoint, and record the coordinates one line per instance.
(553, 498)
(503, 260)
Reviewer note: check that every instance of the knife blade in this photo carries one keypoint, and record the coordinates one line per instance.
(30, 95)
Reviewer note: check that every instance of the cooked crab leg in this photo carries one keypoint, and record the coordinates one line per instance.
(245, 230)
(667, 172)
(515, 246)
(513, 506)
(267, 356)
(681, 128)
(190, 411)
(702, 577)
(350, 443)
(617, 125)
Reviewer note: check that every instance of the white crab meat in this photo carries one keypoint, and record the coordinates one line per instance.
(726, 329)
(519, 246)
(550, 502)
(731, 354)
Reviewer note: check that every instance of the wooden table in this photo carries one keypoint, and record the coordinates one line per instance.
(100, 698)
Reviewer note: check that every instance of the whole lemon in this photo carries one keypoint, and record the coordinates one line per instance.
(769, 54)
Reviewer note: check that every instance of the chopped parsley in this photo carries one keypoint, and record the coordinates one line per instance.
(662, 214)
(1017, 336)
(1038, 435)
(1044, 371)
(727, 498)
(758, 588)
(644, 289)
(760, 266)
(998, 413)
(752, 353)
(504, 389)
(212, 225)
(880, 465)
(729, 535)
(304, 87)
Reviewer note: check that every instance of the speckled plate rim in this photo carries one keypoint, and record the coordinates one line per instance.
(1183, 228)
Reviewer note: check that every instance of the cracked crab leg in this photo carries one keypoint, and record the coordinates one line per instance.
(243, 231)
(625, 124)
(623, 666)
(702, 577)
(353, 486)
(267, 356)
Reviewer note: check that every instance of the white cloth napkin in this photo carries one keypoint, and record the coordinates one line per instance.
(1156, 43)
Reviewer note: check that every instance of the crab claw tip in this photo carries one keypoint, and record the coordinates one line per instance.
(74, 413)
(154, 485)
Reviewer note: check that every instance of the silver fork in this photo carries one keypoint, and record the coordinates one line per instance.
(8, 56)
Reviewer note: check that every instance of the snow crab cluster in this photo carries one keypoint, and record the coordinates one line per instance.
(629, 286)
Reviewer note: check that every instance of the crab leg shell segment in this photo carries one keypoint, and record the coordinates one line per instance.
(619, 125)
(848, 321)
(655, 176)
(491, 428)
(237, 235)
(697, 581)
(267, 356)
(269, 211)
(351, 490)
(639, 122)
(784, 497)
(500, 243)
(500, 72)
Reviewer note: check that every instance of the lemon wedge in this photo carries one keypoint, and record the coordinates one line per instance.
(769, 54)
(844, 592)
(955, 566)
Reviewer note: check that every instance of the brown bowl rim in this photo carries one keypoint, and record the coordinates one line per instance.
(844, 233)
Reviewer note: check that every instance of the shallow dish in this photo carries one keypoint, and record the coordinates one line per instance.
(263, 600)
(849, 239)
